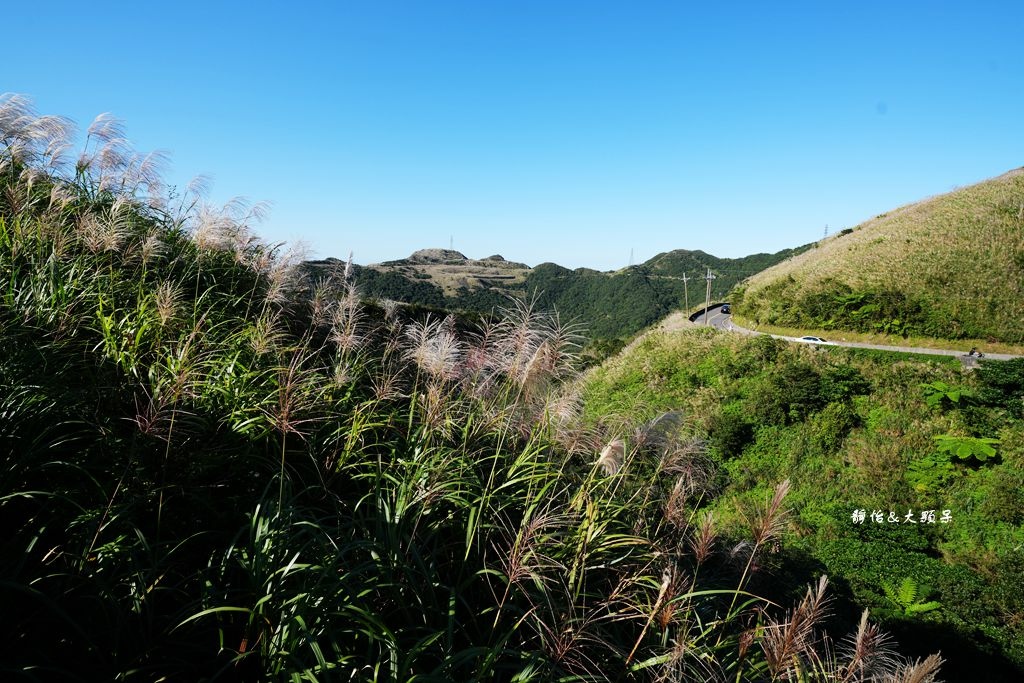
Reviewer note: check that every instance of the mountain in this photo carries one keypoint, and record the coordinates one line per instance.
(609, 305)
(950, 267)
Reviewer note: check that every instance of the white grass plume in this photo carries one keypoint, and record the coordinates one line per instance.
(611, 457)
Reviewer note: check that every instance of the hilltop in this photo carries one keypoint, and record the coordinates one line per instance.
(949, 267)
(609, 305)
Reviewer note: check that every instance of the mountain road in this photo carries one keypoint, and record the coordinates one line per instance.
(723, 321)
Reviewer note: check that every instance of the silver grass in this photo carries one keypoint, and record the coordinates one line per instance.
(434, 347)
(60, 195)
(152, 247)
(342, 374)
(517, 339)
(266, 333)
(611, 457)
(868, 654)
(283, 272)
(795, 636)
(199, 187)
(563, 407)
(920, 671)
(105, 127)
(102, 233)
(151, 168)
(320, 303)
(347, 322)
(390, 308)
(769, 521)
(436, 405)
(702, 542)
(166, 299)
(687, 461)
(386, 385)
(522, 555)
(27, 138)
(214, 229)
(480, 362)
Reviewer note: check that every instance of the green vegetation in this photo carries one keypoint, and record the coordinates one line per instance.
(907, 596)
(857, 430)
(950, 267)
(611, 307)
(938, 394)
(213, 470)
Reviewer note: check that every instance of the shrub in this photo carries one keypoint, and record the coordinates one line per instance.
(1003, 498)
(1002, 384)
(731, 430)
(842, 382)
(787, 394)
(832, 424)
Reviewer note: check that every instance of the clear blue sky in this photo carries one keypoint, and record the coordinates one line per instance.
(571, 132)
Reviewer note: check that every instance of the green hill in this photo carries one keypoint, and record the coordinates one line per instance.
(856, 429)
(949, 267)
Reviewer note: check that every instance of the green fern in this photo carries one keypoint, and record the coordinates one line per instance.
(910, 597)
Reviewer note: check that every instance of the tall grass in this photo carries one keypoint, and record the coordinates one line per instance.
(213, 469)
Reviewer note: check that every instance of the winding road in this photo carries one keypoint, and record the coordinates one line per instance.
(723, 321)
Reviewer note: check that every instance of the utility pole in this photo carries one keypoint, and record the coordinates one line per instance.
(707, 300)
(686, 295)
(826, 230)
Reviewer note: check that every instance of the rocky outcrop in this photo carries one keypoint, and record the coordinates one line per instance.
(437, 256)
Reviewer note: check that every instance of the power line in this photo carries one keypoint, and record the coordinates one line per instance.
(686, 294)
(707, 301)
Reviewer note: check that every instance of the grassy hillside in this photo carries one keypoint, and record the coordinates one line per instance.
(852, 430)
(206, 477)
(950, 267)
(605, 305)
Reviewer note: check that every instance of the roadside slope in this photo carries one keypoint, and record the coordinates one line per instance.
(949, 267)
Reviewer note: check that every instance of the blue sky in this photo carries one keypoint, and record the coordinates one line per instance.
(574, 132)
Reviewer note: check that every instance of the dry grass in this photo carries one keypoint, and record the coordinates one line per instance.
(471, 273)
(964, 249)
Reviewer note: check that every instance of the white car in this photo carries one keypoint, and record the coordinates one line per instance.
(812, 340)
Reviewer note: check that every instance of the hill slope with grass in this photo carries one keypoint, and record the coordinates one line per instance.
(887, 434)
(211, 469)
(948, 267)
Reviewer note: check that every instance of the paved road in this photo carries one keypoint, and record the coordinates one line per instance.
(723, 321)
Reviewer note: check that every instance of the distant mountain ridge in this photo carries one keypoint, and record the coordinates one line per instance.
(451, 257)
(609, 305)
